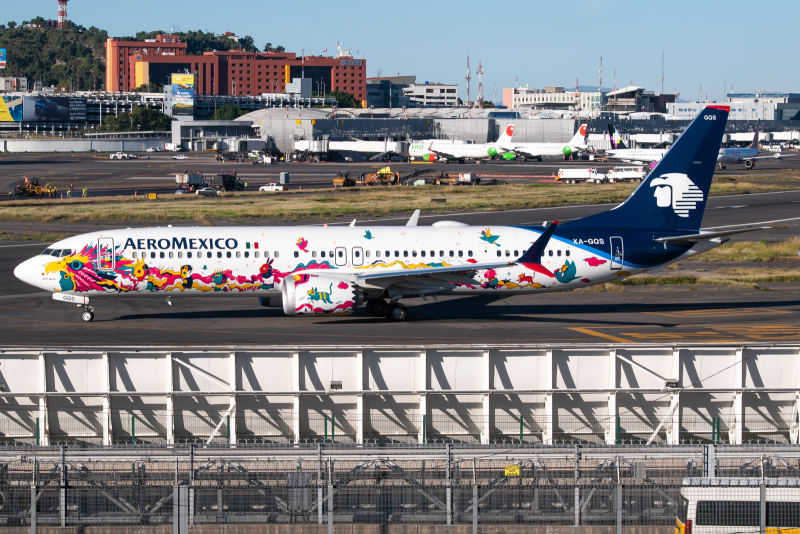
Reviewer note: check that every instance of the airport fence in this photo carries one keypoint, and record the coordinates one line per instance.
(72, 427)
(740, 489)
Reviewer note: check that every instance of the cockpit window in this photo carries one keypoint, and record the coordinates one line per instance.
(66, 252)
(56, 252)
(47, 252)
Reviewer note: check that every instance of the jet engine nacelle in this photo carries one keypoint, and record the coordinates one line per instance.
(312, 294)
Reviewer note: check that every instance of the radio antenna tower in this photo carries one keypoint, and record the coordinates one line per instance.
(600, 87)
(62, 13)
(577, 95)
(495, 93)
(615, 79)
(516, 83)
(662, 73)
(479, 72)
(468, 77)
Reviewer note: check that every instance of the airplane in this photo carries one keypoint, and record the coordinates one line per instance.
(748, 155)
(538, 150)
(331, 271)
(631, 155)
(434, 150)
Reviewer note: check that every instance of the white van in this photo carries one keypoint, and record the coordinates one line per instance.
(728, 505)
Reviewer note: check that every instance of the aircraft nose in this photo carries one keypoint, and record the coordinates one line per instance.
(29, 271)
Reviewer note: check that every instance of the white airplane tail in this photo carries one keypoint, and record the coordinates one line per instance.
(505, 137)
(579, 140)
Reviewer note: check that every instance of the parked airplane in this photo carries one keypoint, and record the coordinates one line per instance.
(748, 155)
(631, 155)
(332, 270)
(434, 150)
(538, 150)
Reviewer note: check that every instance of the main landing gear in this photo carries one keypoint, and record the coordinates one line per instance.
(393, 311)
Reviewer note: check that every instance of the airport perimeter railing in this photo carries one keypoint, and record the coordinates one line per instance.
(23, 427)
(389, 488)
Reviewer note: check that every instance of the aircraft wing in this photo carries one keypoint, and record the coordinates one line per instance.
(704, 235)
(438, 279)
(440, 152)
(774, 156)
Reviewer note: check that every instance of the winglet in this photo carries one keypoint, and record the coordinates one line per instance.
(353, 223)
(414, 219)
(532, 259)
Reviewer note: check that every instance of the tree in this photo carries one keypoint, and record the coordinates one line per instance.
(227, 113)
(344, 100)
(140, 119)
(12, 25)
(460, 102)
(269, 48)
(148, 88)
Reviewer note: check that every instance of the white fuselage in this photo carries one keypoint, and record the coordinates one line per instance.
(736, 155)
(456, 150)
(254, 260)
(535, 150)
(636, 155)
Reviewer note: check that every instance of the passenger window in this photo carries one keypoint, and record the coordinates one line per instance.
(414, 253)
(452, 254)
(432, 254)
(377, 253)
(341, 254)
(396, 253)
(228, 254)
(388, 253)
(357, 253)
(567, 253)
(469, 253)
(133, 255)
(322, 254)
(366, 253)
(422, 253)
(558, 253)
(405, 253)
(550, 253)
(171, 254)
(296, 254)
(238, 254)
(277, 254)
(246, 254)
(441, 253)
(255, 254)
(508, 253)
(160, 254)
(180, 254)
(189, 255)
(313, 253)
(499, 253)
(516, 253)
(460, 253)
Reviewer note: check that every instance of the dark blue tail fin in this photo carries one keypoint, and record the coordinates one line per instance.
(674, 195)
(616, 139)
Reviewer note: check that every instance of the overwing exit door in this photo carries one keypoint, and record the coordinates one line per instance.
(617, 253)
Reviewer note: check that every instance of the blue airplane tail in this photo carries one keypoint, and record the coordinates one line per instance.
(673, 196)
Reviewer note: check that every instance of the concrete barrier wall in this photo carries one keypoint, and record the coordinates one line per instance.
(81, 145)
(340, 528)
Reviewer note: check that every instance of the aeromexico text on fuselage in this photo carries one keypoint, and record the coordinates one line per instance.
(188, 243)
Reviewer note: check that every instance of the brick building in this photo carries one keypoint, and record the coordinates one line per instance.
(235, 72)
(119, 75)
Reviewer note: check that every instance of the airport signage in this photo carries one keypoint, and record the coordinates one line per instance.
(183, 95)
(53, 109)
(2, 58)
(352, 62)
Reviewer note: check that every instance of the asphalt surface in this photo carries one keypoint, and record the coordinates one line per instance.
(635, 315)
(104, 177)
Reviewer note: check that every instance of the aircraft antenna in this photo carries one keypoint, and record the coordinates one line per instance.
(468, 77)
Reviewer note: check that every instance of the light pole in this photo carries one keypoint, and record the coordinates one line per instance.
(372, 112)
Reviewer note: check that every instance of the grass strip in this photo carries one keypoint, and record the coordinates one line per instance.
(752, 251)
(328, 205)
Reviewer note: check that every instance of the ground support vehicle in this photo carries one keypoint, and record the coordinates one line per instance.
(575, 176)
(225, 182)
(31, 188)
(626, 174)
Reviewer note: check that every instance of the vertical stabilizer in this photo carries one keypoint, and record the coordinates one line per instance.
(506, 135)
(754, 144)
(579, 140)
(673, 196)
(616, 138)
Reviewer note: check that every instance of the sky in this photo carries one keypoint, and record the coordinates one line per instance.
(713, 44)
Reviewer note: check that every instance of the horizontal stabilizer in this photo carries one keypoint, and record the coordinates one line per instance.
(704, 236)
(532, 259)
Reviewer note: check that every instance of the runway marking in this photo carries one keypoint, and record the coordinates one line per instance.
(754, 223)
(676, 335)
(728, 207)
(21, 295)
(600, 334)
(25, 245)
(721, 312)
